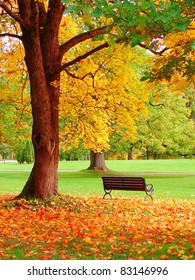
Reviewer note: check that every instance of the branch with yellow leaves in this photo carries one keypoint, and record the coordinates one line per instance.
(87, 54)
(81, 38)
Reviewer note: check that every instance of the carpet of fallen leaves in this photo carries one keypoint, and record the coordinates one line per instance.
(93, 228)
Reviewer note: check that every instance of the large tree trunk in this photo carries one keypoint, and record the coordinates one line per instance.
(40, 23)
(97, 162)
(42, 60)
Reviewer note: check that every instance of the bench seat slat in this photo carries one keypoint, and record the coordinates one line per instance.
(125, 189)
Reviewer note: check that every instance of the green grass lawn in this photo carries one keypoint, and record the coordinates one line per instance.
(177, 185)
(173, 165)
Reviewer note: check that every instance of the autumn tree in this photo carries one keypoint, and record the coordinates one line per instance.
(36, 24)
(176, 64)
(110, 98)
(167, 129)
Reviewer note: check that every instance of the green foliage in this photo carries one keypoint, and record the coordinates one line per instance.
(74, 154)
(159, 133)
(145, 15)
(25, 152)
(5, 150)
(145, 23)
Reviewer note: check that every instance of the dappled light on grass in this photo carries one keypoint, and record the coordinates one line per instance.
(93, 228)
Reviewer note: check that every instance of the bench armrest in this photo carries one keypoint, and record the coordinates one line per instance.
(151, 189)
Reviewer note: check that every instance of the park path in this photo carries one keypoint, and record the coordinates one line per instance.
(125, 172)
(161, 172)
(142, 172)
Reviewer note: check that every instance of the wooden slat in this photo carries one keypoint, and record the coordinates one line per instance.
(124, 183)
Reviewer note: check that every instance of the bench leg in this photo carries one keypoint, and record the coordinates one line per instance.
(150, 195)
(109, 193)
(149, 191)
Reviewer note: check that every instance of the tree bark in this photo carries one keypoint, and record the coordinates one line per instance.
(97, 162)
(42, 60)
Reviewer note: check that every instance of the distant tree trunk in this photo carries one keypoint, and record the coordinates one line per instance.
(130, 152)
(155, 155)
(147, 153)
(97, 162)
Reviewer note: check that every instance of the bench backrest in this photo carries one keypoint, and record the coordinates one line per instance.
(124, 183)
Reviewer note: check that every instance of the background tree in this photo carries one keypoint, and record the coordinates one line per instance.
(5, 151)
(37, 24)
(168, 129)
(110, 98)
(24, 152)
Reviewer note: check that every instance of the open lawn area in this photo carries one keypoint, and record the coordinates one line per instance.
(171, 178)
(82, 225)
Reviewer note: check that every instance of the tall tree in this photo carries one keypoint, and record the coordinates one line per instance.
(37, 22)
(110, 98)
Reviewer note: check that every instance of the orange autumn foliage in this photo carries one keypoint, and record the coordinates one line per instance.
(93, 228)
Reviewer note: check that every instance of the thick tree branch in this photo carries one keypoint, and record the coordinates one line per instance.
(11, 14)
(80, 38)
(81, 57)
(53, 18)
(42, 14)
(49, 34)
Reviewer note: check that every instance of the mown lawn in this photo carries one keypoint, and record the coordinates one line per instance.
(170, 165)
(85, 183)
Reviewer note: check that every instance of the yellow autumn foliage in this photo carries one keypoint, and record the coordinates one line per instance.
(180, 55)
(102, 95)
(15, 94)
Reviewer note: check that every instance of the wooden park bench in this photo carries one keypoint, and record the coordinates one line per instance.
(126, 184)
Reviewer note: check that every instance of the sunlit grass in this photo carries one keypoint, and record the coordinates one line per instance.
(13, 177)
(170, 165)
